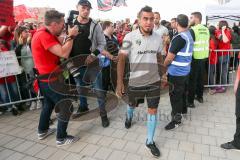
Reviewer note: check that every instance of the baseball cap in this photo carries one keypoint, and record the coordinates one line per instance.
(85, 3)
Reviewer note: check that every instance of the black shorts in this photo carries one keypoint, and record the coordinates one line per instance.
(137, 94)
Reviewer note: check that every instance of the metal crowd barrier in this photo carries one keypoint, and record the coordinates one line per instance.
(216, 79)
(20, 98)
(223, 73)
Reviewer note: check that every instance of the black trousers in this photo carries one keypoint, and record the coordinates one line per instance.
(196, 79)
(106, 81)
(237, 134)
(178, 94)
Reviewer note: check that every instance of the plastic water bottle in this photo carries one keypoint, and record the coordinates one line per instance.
(103, 61)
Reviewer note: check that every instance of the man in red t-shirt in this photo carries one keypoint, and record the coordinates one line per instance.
(235, 144)
(47, 52)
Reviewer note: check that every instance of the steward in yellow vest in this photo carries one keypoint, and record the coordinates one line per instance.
(200, 55)
(201, 44)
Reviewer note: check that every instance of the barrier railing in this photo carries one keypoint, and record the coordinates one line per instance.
(221, 72)
(19, 89)
(222, 67)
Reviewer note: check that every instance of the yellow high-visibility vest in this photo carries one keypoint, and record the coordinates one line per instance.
(201, 44)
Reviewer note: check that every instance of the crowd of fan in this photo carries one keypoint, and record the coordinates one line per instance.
(18, 38)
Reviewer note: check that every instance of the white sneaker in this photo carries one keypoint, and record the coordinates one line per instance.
(50, 131)
(68, 140)
(33, 106)
(39, 104)
(10, 108)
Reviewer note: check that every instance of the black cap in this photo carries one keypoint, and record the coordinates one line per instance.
(85, 3)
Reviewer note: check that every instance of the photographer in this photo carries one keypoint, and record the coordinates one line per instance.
(90, 42)
(47, 51)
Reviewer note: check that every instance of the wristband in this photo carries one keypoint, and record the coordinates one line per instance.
(68, 38)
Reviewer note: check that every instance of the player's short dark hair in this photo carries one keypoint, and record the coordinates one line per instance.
(144, 9)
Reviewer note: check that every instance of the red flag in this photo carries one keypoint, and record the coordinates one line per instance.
(6, 13)
(21, 13)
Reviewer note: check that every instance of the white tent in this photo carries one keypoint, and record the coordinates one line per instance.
(229, 11)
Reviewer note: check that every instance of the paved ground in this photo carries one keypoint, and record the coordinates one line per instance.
(204, 129)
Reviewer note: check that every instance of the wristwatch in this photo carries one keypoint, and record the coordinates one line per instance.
(70, 38)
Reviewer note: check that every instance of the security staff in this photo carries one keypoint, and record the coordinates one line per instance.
(178, 61)
(200, 54)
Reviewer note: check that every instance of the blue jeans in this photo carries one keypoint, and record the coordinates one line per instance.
(91, 77)
(212, 74)
(51, 100)
(223, 67)
(13, 91)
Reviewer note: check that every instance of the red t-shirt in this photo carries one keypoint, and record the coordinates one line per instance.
(213, 55)
(33, 32)
(9, 79)
(221, 44)
(45, 61)
(120, 38)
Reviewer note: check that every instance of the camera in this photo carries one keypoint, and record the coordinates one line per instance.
(112, 47)
(70, 21)
(73, 70)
